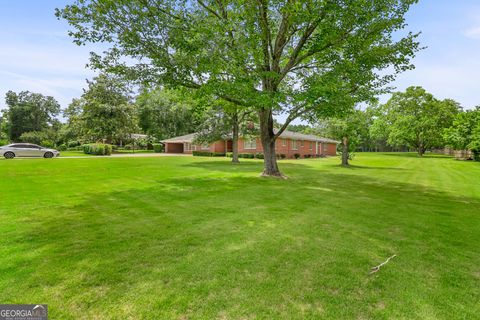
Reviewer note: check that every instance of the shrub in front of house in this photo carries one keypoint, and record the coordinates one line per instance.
(296, 155)
(73, 144)
(246, 155)
(78, 148)
(157, 147)
(259, 155)
(281, 155)
(62, 147)
(98, 149)
(208, 154)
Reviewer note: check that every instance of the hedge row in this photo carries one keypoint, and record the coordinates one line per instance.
(208, 154)
(157, 147)
(248, 155)
(98, 149)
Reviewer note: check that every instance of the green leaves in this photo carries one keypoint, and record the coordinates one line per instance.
(103, 112)
(417, 119)
(305, 54)
(166, 113)
(27, 111)
(465, 132)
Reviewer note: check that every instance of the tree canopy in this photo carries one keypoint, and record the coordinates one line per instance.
(350, 129)
(465, 132)
(416, 118)
(104, 111)
(29, 112)
(300, 58)
(165, 113)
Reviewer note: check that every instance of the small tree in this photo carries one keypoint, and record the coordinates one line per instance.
(465, 132)
(349, 130)
(417, 119)
(225, 120)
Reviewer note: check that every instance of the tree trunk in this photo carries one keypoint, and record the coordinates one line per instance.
(345, 151)
(421, 150)
(476, 155)
(235, 131)
(270, 167)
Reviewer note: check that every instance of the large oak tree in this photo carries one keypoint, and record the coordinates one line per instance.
(417, 119)
(302, 58)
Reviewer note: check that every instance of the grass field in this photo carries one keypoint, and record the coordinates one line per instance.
(199, 238)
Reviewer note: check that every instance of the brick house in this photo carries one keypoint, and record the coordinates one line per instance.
(289, 143)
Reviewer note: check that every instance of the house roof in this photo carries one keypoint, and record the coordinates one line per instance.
(285, 134)
(300, 136)
(138, 136)
(181, 139)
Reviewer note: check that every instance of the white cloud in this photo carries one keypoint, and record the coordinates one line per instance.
(473, 33)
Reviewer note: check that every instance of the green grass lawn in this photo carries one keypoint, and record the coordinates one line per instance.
(199, 238)
(64, 154)
(131, 151)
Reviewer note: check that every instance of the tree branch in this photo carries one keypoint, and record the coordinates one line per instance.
(266, 35)
(200, 2)
(280, 42)
(292, 116)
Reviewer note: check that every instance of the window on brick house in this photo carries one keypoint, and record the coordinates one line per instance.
(250, 144)
(284, 142)
(189, 147)
(205, 146)
(311, 145)
(294, 145)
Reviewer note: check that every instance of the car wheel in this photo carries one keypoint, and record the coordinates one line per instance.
(9, 155)
(48, 155)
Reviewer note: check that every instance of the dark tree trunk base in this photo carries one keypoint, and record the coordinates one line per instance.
(345, 154)
(235, 134)
(270, 167)
(276, 175)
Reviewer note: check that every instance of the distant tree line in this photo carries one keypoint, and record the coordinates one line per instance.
(413, 120)
(109, 112)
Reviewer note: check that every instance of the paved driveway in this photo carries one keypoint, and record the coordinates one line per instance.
(130, 155)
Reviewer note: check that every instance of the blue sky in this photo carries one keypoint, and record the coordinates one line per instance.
(37, 55)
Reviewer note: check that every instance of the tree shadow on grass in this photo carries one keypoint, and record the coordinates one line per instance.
(257, 167)
(358, 167)
(209, 247)
(415, 155)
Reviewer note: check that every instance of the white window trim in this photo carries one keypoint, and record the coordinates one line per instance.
(205, 146)
(310, 147)
(252, 144)
(187, 146)
(284, 142)
(294, 142)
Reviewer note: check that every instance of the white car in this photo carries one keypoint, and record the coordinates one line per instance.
(27, 150)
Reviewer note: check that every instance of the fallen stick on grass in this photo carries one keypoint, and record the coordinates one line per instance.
(377, 268)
